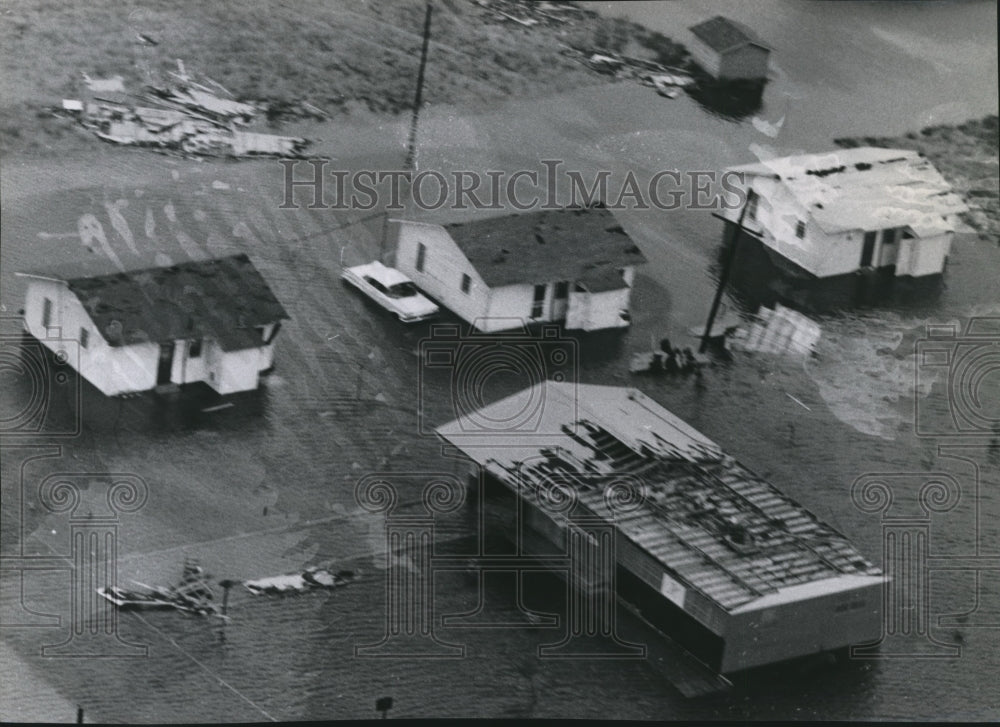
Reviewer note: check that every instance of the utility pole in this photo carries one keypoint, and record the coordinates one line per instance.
(411, 145)
(724, 274)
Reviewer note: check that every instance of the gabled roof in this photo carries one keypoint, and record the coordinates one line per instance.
(866, 188)
(223, 299)
(715, 526)
(722, 34)
(550, 245)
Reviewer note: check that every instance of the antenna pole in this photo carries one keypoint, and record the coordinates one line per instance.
(724, 275)
(411, 145)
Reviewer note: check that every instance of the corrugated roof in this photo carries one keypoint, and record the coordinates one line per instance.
(223, 299)
(866, 188)
(546, 246)
(714, 525)
(722, 34)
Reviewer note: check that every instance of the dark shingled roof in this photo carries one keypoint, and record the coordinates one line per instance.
(722, 34)
(583, 243)
(221, 299)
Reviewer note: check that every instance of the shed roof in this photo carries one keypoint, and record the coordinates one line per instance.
(722, 34)
(713, 525)
(867, 188)
(223, 299)
(548, 245)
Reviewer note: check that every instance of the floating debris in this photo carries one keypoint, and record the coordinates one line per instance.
(297, 583)
(781, 330)
(193, 594)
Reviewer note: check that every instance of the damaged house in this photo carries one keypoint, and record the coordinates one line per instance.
(574, 266)
(852, 209)
(211, 321)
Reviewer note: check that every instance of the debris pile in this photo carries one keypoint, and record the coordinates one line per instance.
(305, 581)
(781, 330)
(666, 80)
(528, 13)
(184, 115)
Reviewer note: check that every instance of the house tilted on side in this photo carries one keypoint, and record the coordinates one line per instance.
(212, 321)
(574, 266)
(852, 209)
(728, 50)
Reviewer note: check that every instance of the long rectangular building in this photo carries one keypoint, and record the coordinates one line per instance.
(734, 570)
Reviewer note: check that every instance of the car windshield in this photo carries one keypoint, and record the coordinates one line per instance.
(402, 290)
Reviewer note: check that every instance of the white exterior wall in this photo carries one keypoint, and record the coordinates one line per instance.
(514, 302)
(802, 627)
(597, 311)
(777, 215)
(113, 370)
(925, 255)
(125, 369)
(826, 255)
(444, 265)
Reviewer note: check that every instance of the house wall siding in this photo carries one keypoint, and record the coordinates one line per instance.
(749, 62)
(809, 626)
(444, 265)
(118, 370)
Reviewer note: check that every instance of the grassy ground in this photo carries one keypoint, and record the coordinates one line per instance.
(336, 54)
(967, 156)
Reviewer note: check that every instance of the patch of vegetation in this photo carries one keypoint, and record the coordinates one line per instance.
(329, 53)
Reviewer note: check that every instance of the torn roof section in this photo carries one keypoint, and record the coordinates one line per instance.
(722, 34)
(866, 188)
(224, 299)
(713, 524)
(584, 244)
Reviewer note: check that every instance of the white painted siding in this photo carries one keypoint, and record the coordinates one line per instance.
(444, 265)
(125, 369)
(597, 311)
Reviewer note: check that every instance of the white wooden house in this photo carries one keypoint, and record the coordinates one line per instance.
(728, 50)
(852, 209)
(212, 321)
(573, 266)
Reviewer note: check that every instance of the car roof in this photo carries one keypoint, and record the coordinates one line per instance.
(382, 273)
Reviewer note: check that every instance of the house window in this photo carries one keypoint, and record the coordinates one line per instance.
(194, 348)
(800, 229)
(562, 290)
(751, 204)
(421, 256)
(84, 337)
(46, 313)
(538, 303)
(466, 282)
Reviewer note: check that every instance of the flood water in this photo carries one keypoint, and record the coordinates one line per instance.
(266, 486)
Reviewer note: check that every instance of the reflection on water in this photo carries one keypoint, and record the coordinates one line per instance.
(731, 100)
(760, 277)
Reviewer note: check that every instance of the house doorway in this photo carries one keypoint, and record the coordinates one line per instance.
(166, 363)
(868, 249)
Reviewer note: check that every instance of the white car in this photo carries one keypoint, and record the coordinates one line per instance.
(390, 289)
